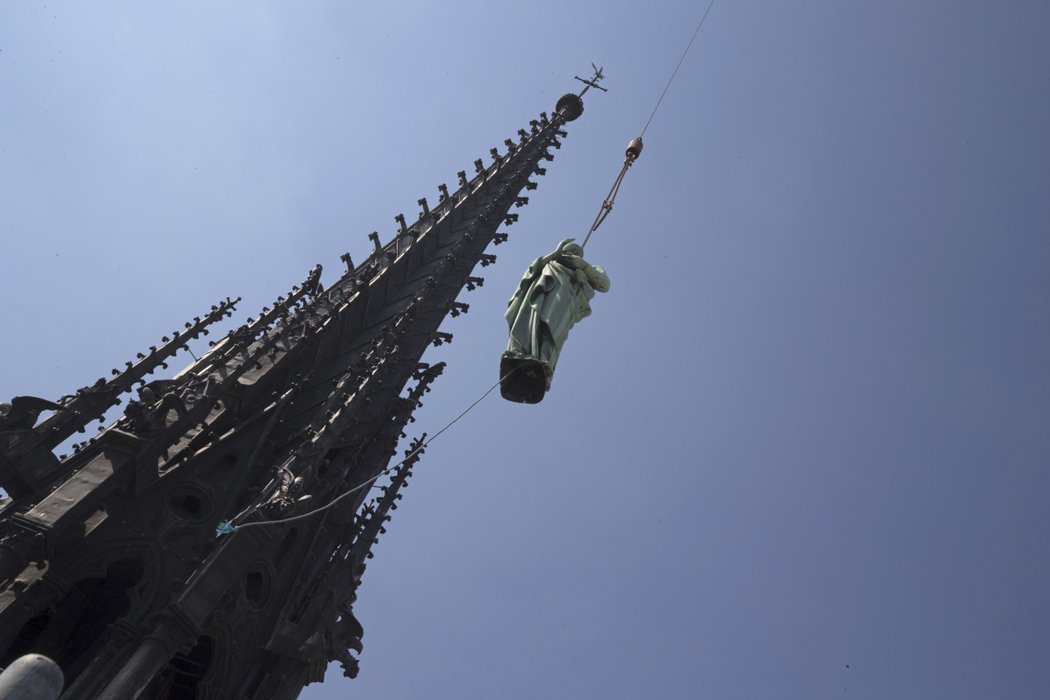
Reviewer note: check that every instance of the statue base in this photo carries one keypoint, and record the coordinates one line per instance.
(523, 379)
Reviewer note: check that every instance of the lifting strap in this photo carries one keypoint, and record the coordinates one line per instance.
(634, 149)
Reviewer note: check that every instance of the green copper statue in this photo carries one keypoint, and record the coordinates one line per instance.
(553, 295)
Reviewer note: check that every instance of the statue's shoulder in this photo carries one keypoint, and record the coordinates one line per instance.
(598, 278)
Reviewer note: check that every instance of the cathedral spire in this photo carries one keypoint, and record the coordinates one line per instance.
(300, 407)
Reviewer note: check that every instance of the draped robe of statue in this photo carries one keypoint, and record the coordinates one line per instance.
(553, 296)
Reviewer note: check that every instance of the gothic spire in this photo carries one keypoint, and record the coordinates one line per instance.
(283, 424)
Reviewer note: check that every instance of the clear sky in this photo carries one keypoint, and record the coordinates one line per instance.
(800, 450)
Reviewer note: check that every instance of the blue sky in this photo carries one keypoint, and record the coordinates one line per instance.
(800, 449)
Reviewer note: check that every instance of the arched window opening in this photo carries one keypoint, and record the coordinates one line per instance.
(181, 679)
(74, 629)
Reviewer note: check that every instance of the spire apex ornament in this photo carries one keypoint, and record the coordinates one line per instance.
(599, 75)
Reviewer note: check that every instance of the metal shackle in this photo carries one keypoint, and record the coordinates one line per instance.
(634, 148)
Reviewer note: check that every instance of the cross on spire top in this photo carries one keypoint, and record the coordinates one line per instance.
(593, 82)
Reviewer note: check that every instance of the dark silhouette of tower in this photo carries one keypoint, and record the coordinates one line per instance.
(109, 559)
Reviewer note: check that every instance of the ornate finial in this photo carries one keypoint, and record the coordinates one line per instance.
(570, 106)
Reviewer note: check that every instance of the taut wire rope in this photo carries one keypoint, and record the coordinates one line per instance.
(634, 148)
(675, 72)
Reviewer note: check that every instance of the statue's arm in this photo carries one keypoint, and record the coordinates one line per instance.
(576, 262)
(595, 274)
